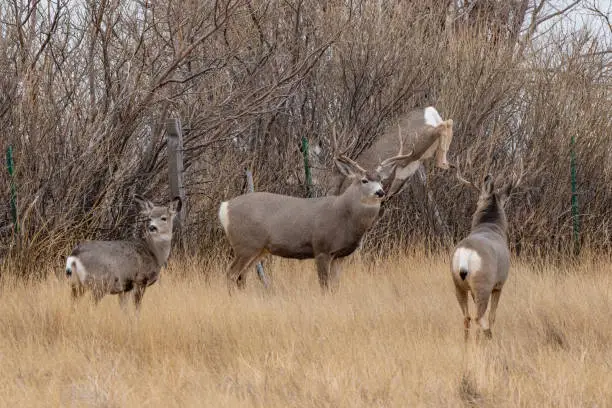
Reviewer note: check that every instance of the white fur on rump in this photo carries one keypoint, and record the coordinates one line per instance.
(432, 117)
(224, 215)
(466, 259)
(73, 263)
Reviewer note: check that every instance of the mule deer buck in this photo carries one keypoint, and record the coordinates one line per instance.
(324, 228)
(118, 267)
(481, 261)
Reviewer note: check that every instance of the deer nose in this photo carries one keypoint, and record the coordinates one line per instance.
(380, 193)
(152, 228)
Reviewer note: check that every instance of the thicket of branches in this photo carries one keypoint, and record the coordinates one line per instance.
(86, 86)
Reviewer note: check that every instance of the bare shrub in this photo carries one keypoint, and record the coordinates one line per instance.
(85, 92)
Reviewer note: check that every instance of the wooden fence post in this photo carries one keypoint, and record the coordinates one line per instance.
(259, 266)
(307, 173)
(175, 173)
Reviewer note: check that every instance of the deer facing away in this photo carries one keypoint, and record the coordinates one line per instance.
(481, 261)
(324, 228)
(119, 267)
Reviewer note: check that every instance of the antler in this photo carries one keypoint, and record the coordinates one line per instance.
(345, 159)
(460, 176)
(336, 153)
(394, 159)
(400, 156)
(516, 178)
(401, 140)
(334, 141)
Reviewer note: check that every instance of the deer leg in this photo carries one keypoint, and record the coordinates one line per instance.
(462, 298)
(78, 290)
(138, 294)
(241, 279)
(236, 274)
(482, 301)
(494, 301)
(97, 295)
(334, 276)
(323, 265)
(123, 300)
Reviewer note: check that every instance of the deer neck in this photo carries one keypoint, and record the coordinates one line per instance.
(158, 247)
(491, 215)
(363, 210)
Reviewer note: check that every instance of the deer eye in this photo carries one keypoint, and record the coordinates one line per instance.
(364, 181)
(164, 218)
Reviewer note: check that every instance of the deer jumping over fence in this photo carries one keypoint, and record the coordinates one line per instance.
(481, 261)
(119, 267)
(324, 228)
(422, 131)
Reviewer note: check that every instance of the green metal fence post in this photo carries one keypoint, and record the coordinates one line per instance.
(575, 210)
(307, 166)
(13, 199)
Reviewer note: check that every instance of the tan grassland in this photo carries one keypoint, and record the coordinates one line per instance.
(391, 336)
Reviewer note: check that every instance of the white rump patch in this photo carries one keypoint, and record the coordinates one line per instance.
(432, 117)
(73, 263)
(224, 215)
(468, 259)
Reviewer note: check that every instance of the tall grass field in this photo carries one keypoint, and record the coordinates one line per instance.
(390, 336)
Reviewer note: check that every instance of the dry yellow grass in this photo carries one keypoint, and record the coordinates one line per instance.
(391, 336)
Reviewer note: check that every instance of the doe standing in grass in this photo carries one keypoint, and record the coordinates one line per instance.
(118, 267)
(481, 261)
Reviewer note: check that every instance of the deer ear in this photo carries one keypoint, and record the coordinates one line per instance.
(347, 167)
(488, 185)
(175, 205)
(145, 205)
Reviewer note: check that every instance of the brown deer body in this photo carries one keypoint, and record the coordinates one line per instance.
(325, 228)
(119, 267)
